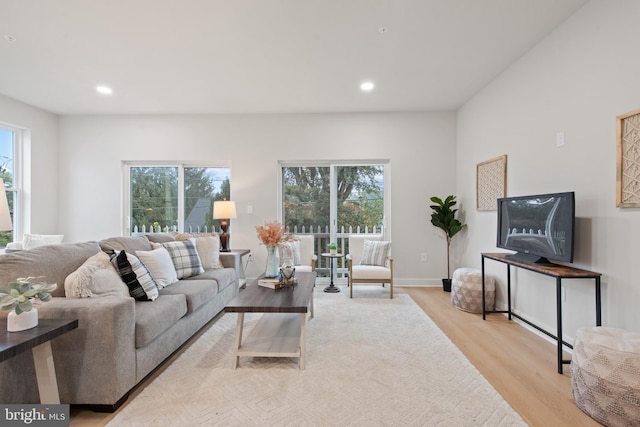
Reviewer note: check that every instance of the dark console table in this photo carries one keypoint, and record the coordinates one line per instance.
(557, 271)
(38, 340)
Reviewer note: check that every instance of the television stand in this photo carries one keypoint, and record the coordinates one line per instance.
(529, 258)
(557, 271)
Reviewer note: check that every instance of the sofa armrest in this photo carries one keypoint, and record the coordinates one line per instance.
(95, 363)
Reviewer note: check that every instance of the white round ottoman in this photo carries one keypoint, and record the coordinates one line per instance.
(605, 375)
(466, 290)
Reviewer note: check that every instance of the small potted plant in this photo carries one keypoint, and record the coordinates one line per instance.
(332, 248)
(444, 217)
(19, 298)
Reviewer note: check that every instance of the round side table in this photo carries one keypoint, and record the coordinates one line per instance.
(331, 288)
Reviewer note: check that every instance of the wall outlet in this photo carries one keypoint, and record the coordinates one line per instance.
(560, 139)
(423, 257)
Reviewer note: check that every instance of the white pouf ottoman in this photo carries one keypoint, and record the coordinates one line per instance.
(466, 290)
(605, 375)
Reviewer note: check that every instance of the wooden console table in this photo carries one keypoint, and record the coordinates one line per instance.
(553, 270)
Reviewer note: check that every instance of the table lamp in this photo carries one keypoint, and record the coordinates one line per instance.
(5, 215)
(224, 209)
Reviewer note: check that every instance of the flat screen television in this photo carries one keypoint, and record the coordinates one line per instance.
(538, 227)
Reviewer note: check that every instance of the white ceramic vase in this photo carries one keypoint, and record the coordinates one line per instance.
(22, 321)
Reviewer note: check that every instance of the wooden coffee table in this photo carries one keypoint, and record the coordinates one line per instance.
(281, 330)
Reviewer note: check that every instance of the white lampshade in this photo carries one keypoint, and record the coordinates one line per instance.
(5, 215)
(223, 209)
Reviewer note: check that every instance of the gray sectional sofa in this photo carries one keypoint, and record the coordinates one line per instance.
(119, 340)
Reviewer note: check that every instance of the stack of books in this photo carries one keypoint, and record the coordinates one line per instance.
(270, 283)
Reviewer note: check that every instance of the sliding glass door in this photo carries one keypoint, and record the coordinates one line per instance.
(333, 200)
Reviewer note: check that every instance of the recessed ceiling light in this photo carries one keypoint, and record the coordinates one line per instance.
(105, 90)
(9, 38)
(367, 86)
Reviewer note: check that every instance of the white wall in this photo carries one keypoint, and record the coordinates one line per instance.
(41, 174)
(577, 81)
(420, 147)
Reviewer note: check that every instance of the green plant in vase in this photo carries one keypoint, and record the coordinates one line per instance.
(19, 297)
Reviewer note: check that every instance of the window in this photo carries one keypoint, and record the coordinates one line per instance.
(10, 148)
(348, 196)
(173, 197)
(334, 200)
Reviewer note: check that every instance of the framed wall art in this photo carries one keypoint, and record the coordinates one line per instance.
(491, 183)
(628, 160)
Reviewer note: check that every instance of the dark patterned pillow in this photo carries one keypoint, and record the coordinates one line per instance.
(185, 257)
(135, 275)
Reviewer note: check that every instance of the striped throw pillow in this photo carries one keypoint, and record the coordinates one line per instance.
(135, 275)
(375, 252)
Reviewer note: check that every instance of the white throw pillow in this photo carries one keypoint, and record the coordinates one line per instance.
(95, 277)
(159, 264)
(30, 241)
(375, 252)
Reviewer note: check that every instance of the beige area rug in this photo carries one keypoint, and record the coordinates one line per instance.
(371, 361)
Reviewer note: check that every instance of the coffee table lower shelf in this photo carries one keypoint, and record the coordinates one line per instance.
(275, 335)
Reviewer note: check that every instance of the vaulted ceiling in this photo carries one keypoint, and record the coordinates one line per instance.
(263, 56)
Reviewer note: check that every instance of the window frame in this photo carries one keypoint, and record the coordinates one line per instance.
(20, 205)
(126, 190)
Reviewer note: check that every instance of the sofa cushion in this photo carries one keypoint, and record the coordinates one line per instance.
(136, 276)
(153, 319)
(224, 277)
(158, 262)
(184, 256)
(128, 244)
(370, 272)
(161, 237)
(96, 277)
(45, 261)
(196, 292)
(208, 247)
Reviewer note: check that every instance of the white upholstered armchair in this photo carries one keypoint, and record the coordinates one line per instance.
(301, 251)
(368, 261)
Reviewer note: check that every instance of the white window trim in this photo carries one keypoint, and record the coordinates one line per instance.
(21, 179)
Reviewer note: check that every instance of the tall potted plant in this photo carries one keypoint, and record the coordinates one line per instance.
(444, 217)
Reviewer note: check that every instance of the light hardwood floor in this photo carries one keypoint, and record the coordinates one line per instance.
(519, 364)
